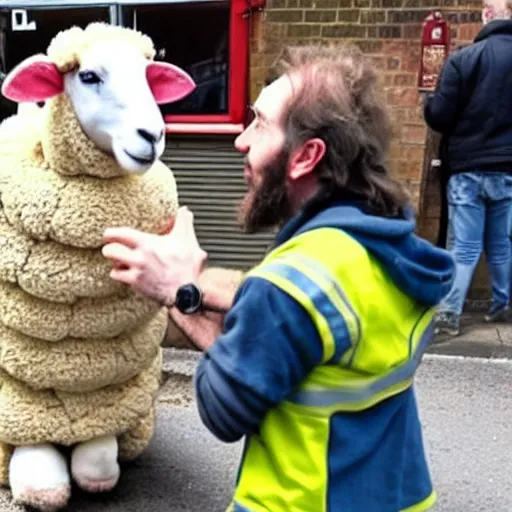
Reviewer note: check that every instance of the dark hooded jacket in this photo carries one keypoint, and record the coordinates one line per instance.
(472, 105)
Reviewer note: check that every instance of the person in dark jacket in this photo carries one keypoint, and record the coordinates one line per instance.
(472, 108)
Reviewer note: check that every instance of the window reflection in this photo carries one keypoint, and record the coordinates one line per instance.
(194, 36)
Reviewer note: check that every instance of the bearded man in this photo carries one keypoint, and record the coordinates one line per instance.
(314, 361)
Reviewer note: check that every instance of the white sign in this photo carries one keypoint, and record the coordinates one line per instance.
(19, 20)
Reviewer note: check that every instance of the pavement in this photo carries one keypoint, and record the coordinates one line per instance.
(477, 339)
(464, 404)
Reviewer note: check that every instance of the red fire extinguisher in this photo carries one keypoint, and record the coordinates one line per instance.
(435, 47)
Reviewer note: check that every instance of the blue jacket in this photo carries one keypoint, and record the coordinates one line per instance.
(270, 345)
(472, 104)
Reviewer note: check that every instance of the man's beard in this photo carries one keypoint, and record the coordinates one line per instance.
(267, 205)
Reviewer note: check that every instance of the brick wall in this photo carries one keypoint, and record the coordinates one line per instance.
(389, 32)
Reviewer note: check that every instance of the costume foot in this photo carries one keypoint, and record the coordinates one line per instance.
(39, 478)
(94, 464)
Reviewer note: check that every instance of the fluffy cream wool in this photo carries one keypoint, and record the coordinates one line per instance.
(79, 353)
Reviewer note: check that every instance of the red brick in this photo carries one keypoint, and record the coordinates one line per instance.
(411, 59)
(304, 30)
(276, 30)
(274, 46)
(403, 16)
(369, 46)
(373, 16)
(404, 96)
(257, 61)
(349, 15)
(378, 61)
(395, 152)
(398, 115)
(412, 31)
(398, 48)
(405, 79)
(320, 16)
(372, 32)
(415, 115)
(406, 152)
(412, 152)
(471, 4)
(302, 41)
(468, 32)
(413, 134)
(392, 63)
(387, 80)
(401, 170)
(422, 3)
(414, 187)
(270, 59)
(285, 15)
(389, 31)
(343, 31)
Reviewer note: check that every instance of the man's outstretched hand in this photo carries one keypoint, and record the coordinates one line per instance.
(156, 265)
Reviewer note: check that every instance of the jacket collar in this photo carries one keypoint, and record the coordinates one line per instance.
(494, 27)
(312, 208)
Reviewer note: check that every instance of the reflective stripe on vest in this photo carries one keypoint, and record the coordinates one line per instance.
(332, 397)
(320, 294)
(373, 336)
(329, 307)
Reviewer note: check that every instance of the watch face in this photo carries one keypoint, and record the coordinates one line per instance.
(188, 299)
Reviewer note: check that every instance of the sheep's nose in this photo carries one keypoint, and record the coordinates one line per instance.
(151, 137)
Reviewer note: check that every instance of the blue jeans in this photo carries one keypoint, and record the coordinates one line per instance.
(450, 238)
(480, 214)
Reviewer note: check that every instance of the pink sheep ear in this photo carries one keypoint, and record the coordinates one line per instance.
(33, 80)
(168, 83)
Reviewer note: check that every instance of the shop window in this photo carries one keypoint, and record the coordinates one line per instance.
(208, 39)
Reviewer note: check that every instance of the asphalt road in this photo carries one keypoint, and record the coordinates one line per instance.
(466, 407)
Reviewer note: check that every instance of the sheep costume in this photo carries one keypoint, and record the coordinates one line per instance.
(80, 356)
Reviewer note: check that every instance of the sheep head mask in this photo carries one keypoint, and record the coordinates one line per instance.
(115, 91)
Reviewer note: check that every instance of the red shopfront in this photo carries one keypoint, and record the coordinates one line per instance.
(209, 39)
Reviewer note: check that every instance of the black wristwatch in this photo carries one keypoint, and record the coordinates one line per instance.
(189, 299)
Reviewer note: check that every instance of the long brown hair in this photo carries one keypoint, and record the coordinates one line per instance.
(339, 99)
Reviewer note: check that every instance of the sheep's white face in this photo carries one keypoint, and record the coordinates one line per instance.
(115, 106)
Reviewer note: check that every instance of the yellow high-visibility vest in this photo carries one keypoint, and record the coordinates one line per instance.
(346, 292)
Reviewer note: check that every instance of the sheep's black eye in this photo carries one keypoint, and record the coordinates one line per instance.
(89, 77)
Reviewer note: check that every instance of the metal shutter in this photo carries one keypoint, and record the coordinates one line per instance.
(209, 174)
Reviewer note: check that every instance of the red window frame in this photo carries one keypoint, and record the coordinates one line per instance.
(233, 121)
